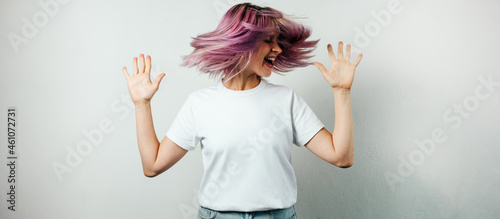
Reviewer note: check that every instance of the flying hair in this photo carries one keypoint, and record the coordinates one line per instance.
(227, 50)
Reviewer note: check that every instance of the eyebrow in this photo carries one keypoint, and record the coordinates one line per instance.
(273, 35)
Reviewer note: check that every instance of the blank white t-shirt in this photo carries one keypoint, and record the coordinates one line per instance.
(246, 139)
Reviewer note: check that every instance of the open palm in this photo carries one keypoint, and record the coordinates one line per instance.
(341, 74)
(139, 85)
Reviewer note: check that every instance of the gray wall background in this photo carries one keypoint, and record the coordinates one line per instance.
(422, 79)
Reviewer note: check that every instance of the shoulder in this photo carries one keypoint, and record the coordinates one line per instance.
(278, 89)
(286, 94)
(270, 89)
(204, 92)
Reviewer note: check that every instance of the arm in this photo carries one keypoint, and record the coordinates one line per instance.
(156, 158)
(338, 148)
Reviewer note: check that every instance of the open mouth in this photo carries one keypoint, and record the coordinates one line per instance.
(269, 61)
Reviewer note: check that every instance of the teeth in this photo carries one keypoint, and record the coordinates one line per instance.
(269, 61)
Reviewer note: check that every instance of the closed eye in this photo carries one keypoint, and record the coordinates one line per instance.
(271, 38)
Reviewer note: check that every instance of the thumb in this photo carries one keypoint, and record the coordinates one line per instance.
(321, 67)
(158, 79)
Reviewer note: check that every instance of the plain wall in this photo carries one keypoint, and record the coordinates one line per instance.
(426, 119)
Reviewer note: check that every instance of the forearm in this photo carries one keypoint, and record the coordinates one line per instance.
(342, 136)
(146, 136)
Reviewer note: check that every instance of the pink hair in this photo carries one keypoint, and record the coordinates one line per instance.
(228, 48)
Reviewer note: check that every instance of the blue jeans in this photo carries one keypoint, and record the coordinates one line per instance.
(286, 213)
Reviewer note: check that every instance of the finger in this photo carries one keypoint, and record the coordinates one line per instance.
(340, 53)
(158, 79)
(148, 64)
(125, 72)
(356, 62)
(348, 53)
(136, 70)
(321, 67)
(331, 54)
(141, 63)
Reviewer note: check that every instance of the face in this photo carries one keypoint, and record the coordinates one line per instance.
(262, 62)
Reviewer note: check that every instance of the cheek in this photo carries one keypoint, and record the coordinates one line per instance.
(258, 60)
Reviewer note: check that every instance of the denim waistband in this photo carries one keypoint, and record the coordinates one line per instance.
(285, 213)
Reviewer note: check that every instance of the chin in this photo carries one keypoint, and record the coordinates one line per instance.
(266, 75)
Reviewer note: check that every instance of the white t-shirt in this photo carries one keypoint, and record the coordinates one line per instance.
(246, 139)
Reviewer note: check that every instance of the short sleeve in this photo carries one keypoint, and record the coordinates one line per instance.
(183, 130)
(305, 122)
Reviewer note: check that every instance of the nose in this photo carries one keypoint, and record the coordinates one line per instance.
(276, 48)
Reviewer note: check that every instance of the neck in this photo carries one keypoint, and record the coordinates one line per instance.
(242, 82)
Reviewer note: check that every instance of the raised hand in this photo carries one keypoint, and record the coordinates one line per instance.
(139, 85)
(341, 74)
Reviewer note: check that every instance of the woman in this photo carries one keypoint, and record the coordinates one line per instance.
(245, 125)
